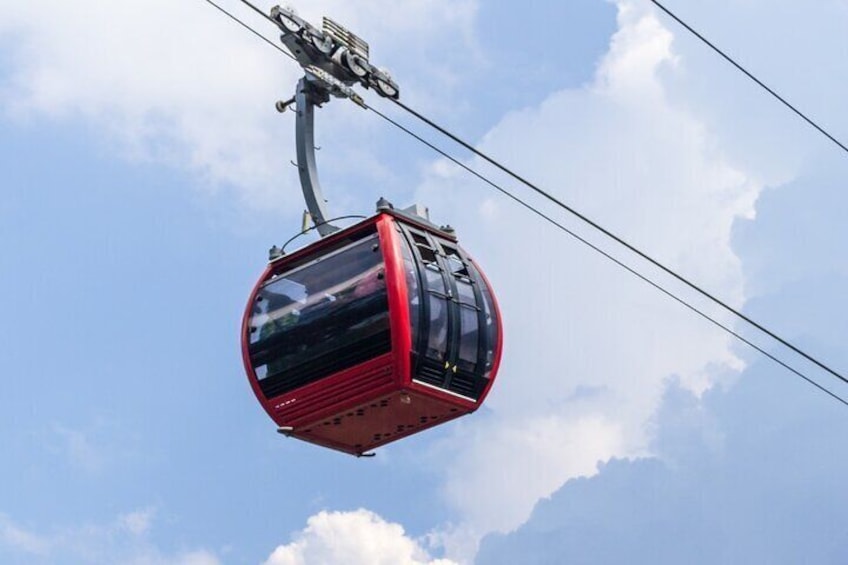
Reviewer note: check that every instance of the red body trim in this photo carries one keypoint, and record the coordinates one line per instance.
(398, 298)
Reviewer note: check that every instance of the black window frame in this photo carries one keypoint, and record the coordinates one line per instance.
(430, 251)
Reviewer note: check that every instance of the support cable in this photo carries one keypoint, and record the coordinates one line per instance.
(607, 255)
(258, 11)
(250, 29)
(621, 241)
(749, 75)
(592, 224)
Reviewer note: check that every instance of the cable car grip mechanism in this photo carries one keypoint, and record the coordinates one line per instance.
(334, 59)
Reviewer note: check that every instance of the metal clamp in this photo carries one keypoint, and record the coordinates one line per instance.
(334, 59)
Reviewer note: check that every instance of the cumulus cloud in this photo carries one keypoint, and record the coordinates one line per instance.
(359, 537)
(672, 152)
(582, 379)
(179, 83)
(753, 473)
(588, 349)
(129, 69)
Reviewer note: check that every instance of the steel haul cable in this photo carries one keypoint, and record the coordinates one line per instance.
(610, 257)
(621, 241)
(250, 29)
(592, 224)
(742, 69)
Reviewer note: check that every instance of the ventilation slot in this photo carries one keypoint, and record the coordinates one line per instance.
(464, 385)
(431, 375)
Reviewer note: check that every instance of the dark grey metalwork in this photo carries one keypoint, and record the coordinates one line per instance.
(334, 50)
(334, 60)
(307, 97)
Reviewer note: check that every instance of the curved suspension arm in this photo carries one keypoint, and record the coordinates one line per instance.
(306, 98)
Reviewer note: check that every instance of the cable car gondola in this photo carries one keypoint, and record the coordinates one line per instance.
(371, 334)
(376, 331)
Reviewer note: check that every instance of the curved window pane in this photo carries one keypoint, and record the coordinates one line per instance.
(437, 339)
(321, 318)
(412, 290)
(466, 293)
(438, 335)
(469, 338)
(435, 282)
(454, 260)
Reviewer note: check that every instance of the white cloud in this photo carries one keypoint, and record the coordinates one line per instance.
(78, 448)
(167, 81)
(797, 51)
(17, 538)
(753, 473)
(92, 448)
(353, 538)
(123, 540)
(588, 347)
(179, 83)
(138, 522)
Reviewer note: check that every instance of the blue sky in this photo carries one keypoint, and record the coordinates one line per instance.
(146, 174)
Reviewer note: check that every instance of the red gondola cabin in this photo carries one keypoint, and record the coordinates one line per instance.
(373, 333)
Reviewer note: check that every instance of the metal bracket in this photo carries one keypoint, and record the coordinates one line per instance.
(334, 50)
(307, 97)
(334, 59)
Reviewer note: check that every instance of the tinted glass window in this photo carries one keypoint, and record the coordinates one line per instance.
(458, 333)
(491, 325)
(438, 328)
(469, 336)
(320, 318)
(413, 292)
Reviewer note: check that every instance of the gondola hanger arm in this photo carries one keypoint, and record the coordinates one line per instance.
(333, 60)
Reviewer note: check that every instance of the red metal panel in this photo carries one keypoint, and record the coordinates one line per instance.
(398, 298)
(336, 392)
(384, 419)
